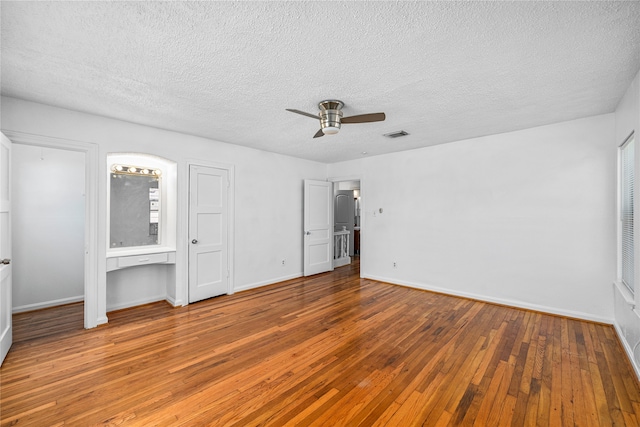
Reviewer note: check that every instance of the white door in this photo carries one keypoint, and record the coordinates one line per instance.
(208, 230)
(6, 331)
(318, 227)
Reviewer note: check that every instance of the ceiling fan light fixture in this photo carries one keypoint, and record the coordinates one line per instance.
(330, 130)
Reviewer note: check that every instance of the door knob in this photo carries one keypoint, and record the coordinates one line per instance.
(308, 233)
(5, 261)
(194, 241)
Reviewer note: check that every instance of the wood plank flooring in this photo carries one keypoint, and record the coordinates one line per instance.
(331, 350)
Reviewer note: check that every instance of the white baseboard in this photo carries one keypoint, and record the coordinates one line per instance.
(627, 349)
(501, 301)
(142, 301)
(174, 302)
(47, 304)
(267, 282)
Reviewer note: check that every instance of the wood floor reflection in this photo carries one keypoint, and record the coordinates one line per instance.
(330, 350)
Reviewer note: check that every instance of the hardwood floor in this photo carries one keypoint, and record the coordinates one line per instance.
(330, 350)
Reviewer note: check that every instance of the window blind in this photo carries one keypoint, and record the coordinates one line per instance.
(626, 212)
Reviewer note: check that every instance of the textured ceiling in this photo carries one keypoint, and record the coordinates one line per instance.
(442, 71)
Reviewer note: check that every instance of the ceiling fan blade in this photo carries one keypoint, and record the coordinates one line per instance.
(313, 116)
(318, 134)
(364, 118)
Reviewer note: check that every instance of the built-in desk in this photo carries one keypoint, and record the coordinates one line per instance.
(115, 262)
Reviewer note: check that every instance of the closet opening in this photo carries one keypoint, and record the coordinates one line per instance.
(48, 227)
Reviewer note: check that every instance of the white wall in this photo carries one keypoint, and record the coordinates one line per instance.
(138, 285)
(523, 218)
(627, 320)
(268, 190)
(48, 227)
(348, 185)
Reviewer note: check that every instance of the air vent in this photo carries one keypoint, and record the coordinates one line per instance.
(397, 134)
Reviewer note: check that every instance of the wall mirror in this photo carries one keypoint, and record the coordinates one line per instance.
(142, 204)
(135, 206)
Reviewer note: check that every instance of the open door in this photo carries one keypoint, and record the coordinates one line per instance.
(318, 227)
(6, 331)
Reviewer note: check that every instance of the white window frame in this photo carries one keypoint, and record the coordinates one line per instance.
(627, 247)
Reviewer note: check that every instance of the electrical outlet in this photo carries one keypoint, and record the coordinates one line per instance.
(395, 264)
(284, 261)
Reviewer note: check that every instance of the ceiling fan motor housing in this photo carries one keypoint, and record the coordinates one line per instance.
(330, 115)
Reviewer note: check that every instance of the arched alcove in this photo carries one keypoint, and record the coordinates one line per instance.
(141, 229)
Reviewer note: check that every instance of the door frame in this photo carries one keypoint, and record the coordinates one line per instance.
(95, 298)
(6, 271)
(182, 293)
(363, 239)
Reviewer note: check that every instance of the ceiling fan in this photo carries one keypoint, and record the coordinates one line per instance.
(330, 116)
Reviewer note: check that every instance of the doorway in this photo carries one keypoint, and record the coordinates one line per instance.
(347, 219)
(84, 200)
(48, 226)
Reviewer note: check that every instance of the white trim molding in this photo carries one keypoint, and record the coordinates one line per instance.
(500, 301)
(174, 302)
(94, 255)
(47, 304)
(625, 293)
(268, 282)
(140, 301)
(363, 201)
